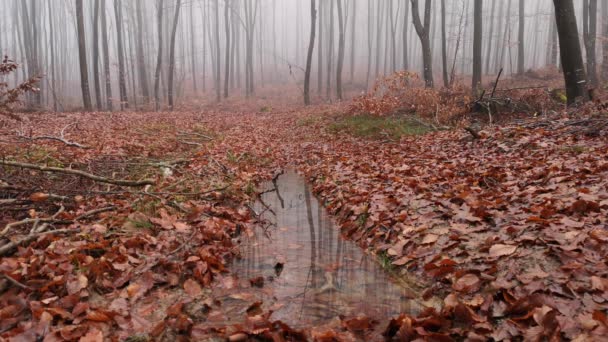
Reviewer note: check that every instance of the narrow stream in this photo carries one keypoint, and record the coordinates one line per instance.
(322, 275)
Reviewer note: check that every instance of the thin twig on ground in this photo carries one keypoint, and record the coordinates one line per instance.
(80, 173)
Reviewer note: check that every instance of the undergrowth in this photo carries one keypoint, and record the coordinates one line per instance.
(376, 127)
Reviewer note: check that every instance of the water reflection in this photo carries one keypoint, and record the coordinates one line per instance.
(323, 275)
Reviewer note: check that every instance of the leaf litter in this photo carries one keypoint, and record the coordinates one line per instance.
(508, 230)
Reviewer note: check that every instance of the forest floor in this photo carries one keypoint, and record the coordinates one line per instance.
(509, 230)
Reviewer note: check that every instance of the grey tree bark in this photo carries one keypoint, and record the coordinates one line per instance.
(96, 78)
(341, 43)
(106, 56)
(311, 47)
(170, 85)
(141, 63)
(570, 52)
(590, 38)
(227, 52)
(122, 84)
(159, 57)
(82, 57)
(423, 33)
(477, 46)
(520, 41)
(444, 53)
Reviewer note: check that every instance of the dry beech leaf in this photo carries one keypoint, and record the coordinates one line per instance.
(499, 250)
(192, 287)
(468, 283)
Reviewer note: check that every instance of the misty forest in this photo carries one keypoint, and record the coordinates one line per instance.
(303, 170)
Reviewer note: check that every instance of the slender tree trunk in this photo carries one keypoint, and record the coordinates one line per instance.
(330, 50)
(82, 53)
(353, 31)
(520, 48)
(570, 51)
(340, 51)
(423, 33)
(227, 61)
(444, 53)
(122, 84)
(106, 56)
(490, 36)
(141, 63)
(193, 53)
(590, 37)
(159, 57)
(370, 41)
(217, 71)
(311, 46)
(320, 51)
(172, 54)
(477, 46)
(96, 78)
(53, 43)
(406, 22)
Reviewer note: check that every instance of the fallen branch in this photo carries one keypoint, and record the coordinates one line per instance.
(79, 173)
(6, 249)
(53, 219)
(60, 138)
(14, 282)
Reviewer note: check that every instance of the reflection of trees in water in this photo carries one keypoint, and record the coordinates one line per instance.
(329, 276)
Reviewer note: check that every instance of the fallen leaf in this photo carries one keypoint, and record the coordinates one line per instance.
(468, 283)
(499, 250)
(192, 288)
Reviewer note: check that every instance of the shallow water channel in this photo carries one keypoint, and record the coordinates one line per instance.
(322, 275)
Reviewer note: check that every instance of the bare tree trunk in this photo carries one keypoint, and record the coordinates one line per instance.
(423, 34)
(193, 53)
(122, 84)
(82, 53)
(227, 61)
(141, 63)
(590, 37)
(370, 40)
(330, 50)
(477, 46)
(570, 51)
(53, 43)
(405, 35)
(106, 56)
(353, 29)
(311, 47)
(172, 54)
(340, 51)
(159, 58)
(96, 77)
(520, 49)
(490, 36)
(320, 51)
(217, 71)
(444, 53)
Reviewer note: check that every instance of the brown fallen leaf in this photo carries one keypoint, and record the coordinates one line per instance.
(77, 283)
(468, 283)
(192, 288)
(499, 250)
(571, 223)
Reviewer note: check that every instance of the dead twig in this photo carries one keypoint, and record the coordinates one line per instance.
(52, 219)
(6, 249)
(78, 173)
(14, 282)
(61, 138)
